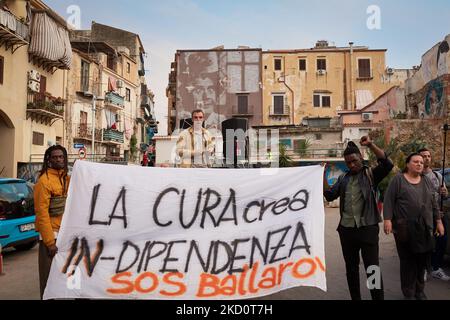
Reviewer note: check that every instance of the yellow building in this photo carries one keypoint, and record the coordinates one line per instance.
(109, 64)
(32, 84)
(318, 82)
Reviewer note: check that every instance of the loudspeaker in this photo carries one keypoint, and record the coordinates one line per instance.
(239, 142)
(186, 123)
(234, 124)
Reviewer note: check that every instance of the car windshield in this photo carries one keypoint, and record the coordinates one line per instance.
(15, 191)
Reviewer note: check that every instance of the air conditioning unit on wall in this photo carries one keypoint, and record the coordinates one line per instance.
(367, 116)
(34, 75)
(34, 86)
(119, 84)
(321, 72)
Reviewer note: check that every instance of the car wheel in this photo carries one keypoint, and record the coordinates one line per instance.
(26, 246)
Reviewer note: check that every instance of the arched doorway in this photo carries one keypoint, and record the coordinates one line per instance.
(6, 146)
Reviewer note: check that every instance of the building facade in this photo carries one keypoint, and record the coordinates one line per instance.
(320, 81)
(124, 108)
(225, 83)
(32, 85)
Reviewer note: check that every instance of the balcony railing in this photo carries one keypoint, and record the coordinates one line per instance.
(285, 111)
(86, 85)
(44, 108)
(110, 135)
(13, 32)
(243, 111)
(83, 131)
(114, 100)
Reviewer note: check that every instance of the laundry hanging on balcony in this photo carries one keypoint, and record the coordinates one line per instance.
(50, 44)
(128, 129)
(112, 84)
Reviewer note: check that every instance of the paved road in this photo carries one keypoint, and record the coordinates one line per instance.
(20, 279)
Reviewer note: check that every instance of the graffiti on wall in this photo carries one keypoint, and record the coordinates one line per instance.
(29, 171)
(211, 81)
(434, 100)
(434, 64)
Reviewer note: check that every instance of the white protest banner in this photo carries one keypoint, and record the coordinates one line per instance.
(165, 233)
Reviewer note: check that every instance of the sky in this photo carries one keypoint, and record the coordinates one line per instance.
(406, 28)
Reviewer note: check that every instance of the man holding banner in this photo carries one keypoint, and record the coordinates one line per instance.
(50, 195)
(358, 228)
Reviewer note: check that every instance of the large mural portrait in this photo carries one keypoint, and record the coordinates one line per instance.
(434, 105)
(201, 87)
(213, 80)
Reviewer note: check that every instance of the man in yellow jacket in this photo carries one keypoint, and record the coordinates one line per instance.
(50, 194)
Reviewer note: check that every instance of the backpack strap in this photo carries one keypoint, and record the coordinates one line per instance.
(370, 176)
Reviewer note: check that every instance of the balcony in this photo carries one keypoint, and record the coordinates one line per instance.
(44, 108)
(83, 131)
(242, 111)
(13, 32)
(114, 100)
(112, 136)
(87, 86)
(280, 111)
(364, 74)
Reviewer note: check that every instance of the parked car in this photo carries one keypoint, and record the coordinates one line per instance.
(17, 217)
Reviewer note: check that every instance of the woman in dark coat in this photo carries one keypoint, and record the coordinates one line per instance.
(409, 210)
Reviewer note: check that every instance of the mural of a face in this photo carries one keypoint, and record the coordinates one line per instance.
(204, 94)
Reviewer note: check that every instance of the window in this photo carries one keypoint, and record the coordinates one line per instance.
(277, 64)
(43, 84)
(59, 141)
(278, 104)
(326, 101)
(2, 67)
(243, 104)
(316, 100)
(302, 64)
(318, 136)
(38, 138)
(364, 70)
(286, 142)
(83, 124)
(321, 100)
(127, 94)
(84, 76)
(299, 144)
(321, 64)
(111, 62)
(128, 67)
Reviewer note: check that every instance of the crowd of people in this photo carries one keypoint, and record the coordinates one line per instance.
(411, 210)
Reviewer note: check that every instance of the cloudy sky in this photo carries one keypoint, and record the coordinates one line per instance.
(406, 28)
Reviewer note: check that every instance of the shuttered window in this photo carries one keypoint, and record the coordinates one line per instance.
(302, 64)
(364, 68)
(277, 64)
(321, 64)
(38, 138)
